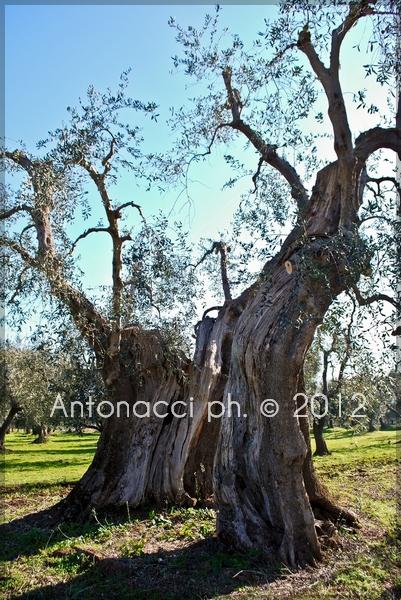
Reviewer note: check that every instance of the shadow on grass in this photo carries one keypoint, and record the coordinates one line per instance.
(199, 570)
(35, 465)
(81, 449)
(40, 487)
(26, 535)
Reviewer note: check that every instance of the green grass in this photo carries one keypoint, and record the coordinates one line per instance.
(63, 459)
(173, 554)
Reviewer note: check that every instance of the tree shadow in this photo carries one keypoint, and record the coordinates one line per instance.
(43, 464)
(202, 569)
(27, 535)
(36, 486)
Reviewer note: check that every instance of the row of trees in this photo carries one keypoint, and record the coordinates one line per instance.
(260, 470)
(35, 381)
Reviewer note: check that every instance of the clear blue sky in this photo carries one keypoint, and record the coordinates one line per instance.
(54, 52)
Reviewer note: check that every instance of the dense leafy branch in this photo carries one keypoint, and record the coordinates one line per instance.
(90, 322)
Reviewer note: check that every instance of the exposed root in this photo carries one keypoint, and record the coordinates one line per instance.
(325, 509)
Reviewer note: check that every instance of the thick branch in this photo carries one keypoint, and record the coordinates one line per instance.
(374, 298)
(331, 84)
(86, 233)
(267, 151)
(357, 10)
(374, 139)
(6, 214)
(19, 158)
(117, 240)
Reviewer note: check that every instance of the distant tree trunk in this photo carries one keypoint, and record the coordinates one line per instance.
(43, 434)
(321, 446)
(14, 410)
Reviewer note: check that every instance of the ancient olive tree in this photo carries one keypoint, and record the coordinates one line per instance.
(266, 489)
(254, 349)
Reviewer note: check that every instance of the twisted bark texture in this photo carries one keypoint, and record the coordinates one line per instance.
(266, 490)
(168, 455)
(264, 480)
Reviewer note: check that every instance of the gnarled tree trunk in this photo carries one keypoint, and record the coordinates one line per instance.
(264, 479)
(166, 458)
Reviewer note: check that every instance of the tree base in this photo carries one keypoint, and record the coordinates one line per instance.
(322, 453)
(40, 440)
(326, 510)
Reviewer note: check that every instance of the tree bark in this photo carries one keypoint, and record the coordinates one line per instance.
(160, 459)
(14, 410)
(262, 464)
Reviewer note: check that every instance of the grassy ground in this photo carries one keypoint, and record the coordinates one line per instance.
(173, 554)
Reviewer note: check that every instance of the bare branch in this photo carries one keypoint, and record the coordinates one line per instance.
(106, 160)
(380, 180)
(347, 353)
(86, 233)
(222, 249)
(25, 229)
(138, 207)
(267, 151)
(6, 214)
(374, 298)
(206, 312)
(257, 173)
